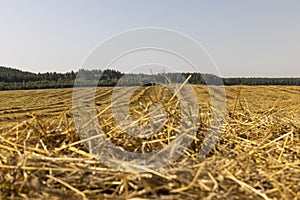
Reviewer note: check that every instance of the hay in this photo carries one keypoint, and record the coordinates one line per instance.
(257, 157)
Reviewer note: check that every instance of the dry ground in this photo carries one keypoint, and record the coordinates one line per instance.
(256, 157)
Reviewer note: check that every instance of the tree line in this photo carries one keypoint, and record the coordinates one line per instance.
(14, 79)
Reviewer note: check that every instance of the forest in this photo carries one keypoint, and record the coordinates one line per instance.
(14, 79)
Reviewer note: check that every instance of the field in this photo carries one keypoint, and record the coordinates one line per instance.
(256, 157)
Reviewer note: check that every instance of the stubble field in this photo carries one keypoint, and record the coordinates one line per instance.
(256, 156)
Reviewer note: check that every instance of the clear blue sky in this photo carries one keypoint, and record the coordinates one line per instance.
(245, 38)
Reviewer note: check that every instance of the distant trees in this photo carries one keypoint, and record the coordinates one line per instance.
(14, 79)
(261, 81)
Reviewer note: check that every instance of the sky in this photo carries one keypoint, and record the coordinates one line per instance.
(244, 38)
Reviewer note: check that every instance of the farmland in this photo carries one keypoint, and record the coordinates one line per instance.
(256, 157)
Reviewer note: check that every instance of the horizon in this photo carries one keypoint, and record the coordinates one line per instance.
(244, 39)
(10, 67)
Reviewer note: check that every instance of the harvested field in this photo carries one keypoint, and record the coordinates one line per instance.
(256, 157)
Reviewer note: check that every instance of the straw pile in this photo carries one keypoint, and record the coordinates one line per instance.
(257, 157)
